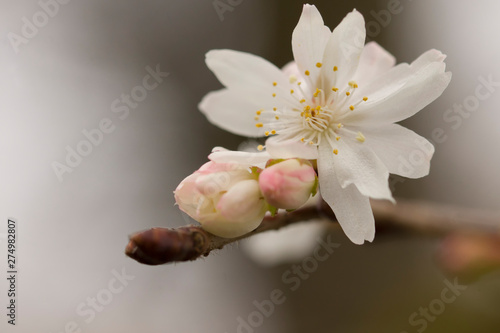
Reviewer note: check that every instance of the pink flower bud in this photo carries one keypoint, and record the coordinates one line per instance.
(288, 184)
(224, 198)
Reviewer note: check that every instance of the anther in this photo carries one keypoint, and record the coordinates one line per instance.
(259, 125)
(307, 73)
(360, 137)
(318, 64)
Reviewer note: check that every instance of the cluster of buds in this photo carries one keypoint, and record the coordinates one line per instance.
(230, 200)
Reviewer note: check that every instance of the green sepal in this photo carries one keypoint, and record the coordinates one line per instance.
(273, 210)
(314, 190)
(273, 162)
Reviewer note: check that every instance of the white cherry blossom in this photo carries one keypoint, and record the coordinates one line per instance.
(338, 103)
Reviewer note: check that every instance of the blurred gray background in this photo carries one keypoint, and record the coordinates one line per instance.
(72, 233)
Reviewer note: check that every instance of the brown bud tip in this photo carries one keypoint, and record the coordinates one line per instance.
(158, 246)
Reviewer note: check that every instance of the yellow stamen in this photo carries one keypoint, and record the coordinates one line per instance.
(311, 143)
(337, 138)
(307, 108)
(335, 68)
(256, 118)
(259, 125)
(275, 84)
(360, 137)
(302, 101)
(303, 139)
(277, 117)
(317, 92)
(365, 99)
(351, 107)
(266, 133)
(335, 89)
(307, 73)
(274, 95)
(274, 109)
(260, 147)
(318, 108)
(347, 93)
(291, 91)
(336, 151)
(258, 112)
(273, 132)
(318, 64)
(339, 125)
(299, 83)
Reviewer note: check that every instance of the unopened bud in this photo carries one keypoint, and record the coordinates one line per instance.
(224, 198)
(288, 184)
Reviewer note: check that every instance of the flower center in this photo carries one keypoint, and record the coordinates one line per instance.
(311, 115)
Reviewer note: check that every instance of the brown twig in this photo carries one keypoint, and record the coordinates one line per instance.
(161, 245)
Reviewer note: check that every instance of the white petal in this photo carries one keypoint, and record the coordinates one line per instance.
(251, 76)
(292, 69)
(228, 110)
(425, 83)
(427, 58)
(290, 149)
(309, 39)
(351, 208)
(404, 152)
(358, 164)
(384, 85)
(186, 195)
(240, 157)
(374, 61)
(343, 50)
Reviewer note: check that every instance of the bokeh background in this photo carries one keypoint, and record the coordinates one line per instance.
(72, 233)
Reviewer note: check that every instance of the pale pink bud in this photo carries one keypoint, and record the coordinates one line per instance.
(224, 198)
(288, 184)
